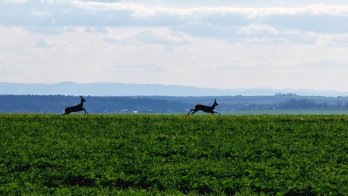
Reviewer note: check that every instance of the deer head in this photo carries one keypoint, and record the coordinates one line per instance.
(215, 103)
(82, 99)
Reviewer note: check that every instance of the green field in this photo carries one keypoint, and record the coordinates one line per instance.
(173, 154)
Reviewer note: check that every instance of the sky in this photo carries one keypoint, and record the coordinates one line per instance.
(226, 44)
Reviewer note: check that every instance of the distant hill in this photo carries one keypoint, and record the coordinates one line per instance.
(106, 89)
(121, 89)
(281, 103)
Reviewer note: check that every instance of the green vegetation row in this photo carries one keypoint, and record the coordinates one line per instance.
(173, 154)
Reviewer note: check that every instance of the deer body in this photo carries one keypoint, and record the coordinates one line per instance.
(204, 108)
(76, 108)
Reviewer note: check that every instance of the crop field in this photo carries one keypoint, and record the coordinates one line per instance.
(173, 154)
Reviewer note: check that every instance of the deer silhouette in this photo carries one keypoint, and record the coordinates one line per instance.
(76, 108)
(204, 108)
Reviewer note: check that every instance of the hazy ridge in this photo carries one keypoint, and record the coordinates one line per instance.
(122, 89)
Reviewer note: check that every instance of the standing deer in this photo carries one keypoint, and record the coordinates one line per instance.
(204, 108)
(76, 108)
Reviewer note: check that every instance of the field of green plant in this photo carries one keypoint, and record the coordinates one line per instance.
(173, 154)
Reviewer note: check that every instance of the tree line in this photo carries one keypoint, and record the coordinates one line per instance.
(155, 104)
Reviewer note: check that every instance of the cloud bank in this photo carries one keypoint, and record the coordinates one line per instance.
(224, 44)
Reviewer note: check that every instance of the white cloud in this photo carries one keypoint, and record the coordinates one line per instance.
(257, 29)
(43, 43)
(161, 37)
(202, 62)
(15, 1)
(96, 13)
(207, 43)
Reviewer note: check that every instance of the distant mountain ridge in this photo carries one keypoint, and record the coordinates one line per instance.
(122, 89)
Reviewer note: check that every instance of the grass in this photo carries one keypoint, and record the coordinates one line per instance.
(173, 154)
(289, 112)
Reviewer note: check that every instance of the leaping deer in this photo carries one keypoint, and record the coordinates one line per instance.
(76, 108)
(204, 108)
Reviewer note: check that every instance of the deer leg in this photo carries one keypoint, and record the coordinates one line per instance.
(85, 110)
(190, 111)
(216, 112)
(194, 111)
(66, 112)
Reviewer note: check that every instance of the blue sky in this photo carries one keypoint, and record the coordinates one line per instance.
(209, 43)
